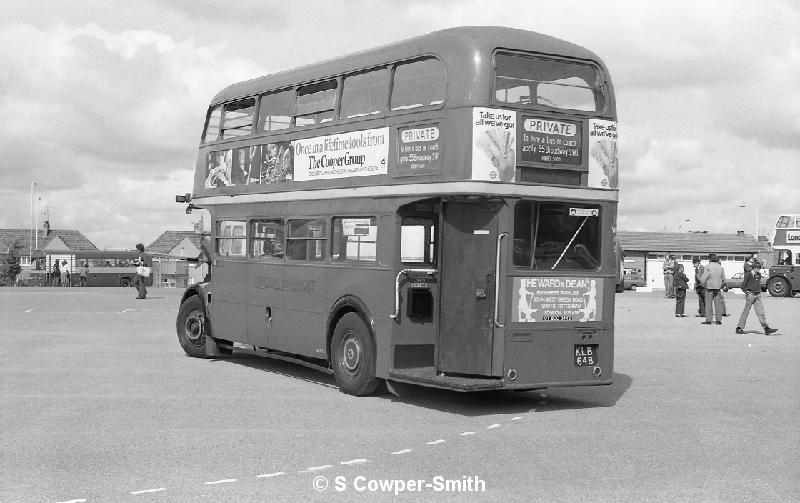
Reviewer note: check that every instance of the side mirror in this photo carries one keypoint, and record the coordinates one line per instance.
(185, 198)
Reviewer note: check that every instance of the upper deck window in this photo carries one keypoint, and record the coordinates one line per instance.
(212, 127)
(315, 103)
(420, 83)
(788, 222)
(276, 111)
(238, 118)
(528, 80)
(365, 94)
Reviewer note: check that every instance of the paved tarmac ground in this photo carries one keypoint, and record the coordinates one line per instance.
(98, 403)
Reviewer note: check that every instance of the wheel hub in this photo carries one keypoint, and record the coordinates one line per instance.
(351, 354)
(194, 326)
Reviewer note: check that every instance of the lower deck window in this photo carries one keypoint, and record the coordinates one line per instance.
(306, 240)
(559, 236)
(231, 240)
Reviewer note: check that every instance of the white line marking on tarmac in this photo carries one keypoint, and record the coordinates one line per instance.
(316, 468)
(222, 481)
(145, 491)
(434, 442)
(29, 310)
(404, 451)
(492, 426)
(355, 462)
(467, 433)
(268, 475)
(73, 501)
(516, 418)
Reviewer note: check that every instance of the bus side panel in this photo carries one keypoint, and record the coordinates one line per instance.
(227, 300)
(264, 303)
(305, 310)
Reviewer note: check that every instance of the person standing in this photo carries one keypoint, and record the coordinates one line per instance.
(84, 273)
(698, 287)
(56, 274)
(669, 274)
(681, 283)
(751, 286)
(144, 260)
(713, 280)
(65, 278)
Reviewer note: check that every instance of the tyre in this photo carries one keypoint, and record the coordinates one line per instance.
(353, 356)
(125, 282)
(191, 326)
(778, 287)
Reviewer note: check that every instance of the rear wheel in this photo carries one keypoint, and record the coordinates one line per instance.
(353, 356)
(191, 327)
(778, 287)
(125, 282)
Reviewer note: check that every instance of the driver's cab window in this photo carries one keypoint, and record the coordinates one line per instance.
(418, 240)
(558, 236)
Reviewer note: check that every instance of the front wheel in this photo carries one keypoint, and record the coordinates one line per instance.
(353, 356)
(778, 287)
(191, 326)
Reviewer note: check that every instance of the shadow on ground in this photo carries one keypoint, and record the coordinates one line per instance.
(477, 403)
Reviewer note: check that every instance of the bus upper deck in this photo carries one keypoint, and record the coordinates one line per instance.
(530, 109)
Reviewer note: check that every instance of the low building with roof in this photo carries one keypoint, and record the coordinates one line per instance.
(39, 250)
(644, 253)
(177, 259)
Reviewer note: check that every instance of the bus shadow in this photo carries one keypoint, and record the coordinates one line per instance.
(483, 403)
(479, 403)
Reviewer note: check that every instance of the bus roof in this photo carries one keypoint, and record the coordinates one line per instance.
(457, 47)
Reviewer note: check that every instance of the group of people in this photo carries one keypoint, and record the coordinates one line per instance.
(709, 284)
(62, 275)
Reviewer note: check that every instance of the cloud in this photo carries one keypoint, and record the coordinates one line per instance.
(132, 101)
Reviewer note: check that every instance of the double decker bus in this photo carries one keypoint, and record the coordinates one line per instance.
(784, 277)
(438, 211)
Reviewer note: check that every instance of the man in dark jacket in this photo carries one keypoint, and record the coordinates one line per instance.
(751, 286)
(698, 287)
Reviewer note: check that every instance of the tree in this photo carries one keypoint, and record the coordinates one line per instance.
(9, 264)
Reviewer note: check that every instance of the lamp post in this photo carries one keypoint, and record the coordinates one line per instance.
(30, 243)
(36, 230)
(755, 234)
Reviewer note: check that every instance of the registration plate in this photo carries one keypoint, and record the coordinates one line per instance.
(585, 354)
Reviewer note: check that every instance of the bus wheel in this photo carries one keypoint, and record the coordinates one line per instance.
(778, 287)
(191, 327)
(125, 282)
(353, 356)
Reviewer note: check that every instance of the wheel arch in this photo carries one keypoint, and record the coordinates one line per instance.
(343, 305)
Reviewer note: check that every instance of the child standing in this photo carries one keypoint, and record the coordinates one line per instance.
(681, 283)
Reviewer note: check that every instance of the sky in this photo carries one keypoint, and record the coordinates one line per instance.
(103, 101)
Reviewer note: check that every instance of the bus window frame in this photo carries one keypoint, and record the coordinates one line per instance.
(252, 238)
(600, 86)
(224, 118)
(288, 240)
(348, 261)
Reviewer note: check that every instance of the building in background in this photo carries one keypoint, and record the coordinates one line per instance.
(644, 252)
(53, 245)
(177, 259)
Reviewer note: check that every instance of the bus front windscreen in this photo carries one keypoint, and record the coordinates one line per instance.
(528, 80)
